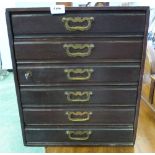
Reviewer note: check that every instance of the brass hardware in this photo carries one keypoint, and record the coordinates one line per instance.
(78, 47)
(68, 20)
(71, 96)
(78, 71)
(79, 135)
(28, 75)
(79, 116)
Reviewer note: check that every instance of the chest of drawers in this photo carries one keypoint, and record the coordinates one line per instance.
(78, 75)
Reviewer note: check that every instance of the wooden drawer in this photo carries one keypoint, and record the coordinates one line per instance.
(81, 73)
(78, 96)
(100, 135)
(78, 116)
(76, 50)
(78, 75)
(79, 22)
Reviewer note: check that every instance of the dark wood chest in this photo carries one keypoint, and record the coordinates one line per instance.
(78, 75)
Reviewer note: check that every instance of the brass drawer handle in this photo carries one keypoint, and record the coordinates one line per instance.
(78, 48)
(79, 135)
(78, 74)
(78, 20)
(78, 116)
(28, 75)
(78, 96)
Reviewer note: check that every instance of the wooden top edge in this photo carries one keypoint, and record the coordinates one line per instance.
(119, 8)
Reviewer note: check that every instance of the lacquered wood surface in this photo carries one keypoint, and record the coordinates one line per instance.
(75, 135)
(49, 74)
(145, 141)
(103, 22)
(104, 49)
(68, 116)
(34, 74)
(101, 96)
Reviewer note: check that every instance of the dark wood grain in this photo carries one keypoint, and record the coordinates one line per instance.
(112, 48)
(104, 22)
(46, 74)
(99, 116)
(100, 136)
(144, 141)
(11, 44)
(101, 96)
(120, 39)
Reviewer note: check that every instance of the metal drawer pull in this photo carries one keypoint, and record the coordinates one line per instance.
(78, 96)
(78, 135)
(78, 48)
(86, 21)
(81, 74)
(28, 75)
(78, 116)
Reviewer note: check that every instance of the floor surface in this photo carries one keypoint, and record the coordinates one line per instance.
(11, 138)
(145, 141)
(10, 130)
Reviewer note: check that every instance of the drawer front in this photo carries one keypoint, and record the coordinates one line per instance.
(79, 135)
(77, 116)
(78, 50)
(78, 96)
(82, 73)
(77, 74)
(112, 22)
